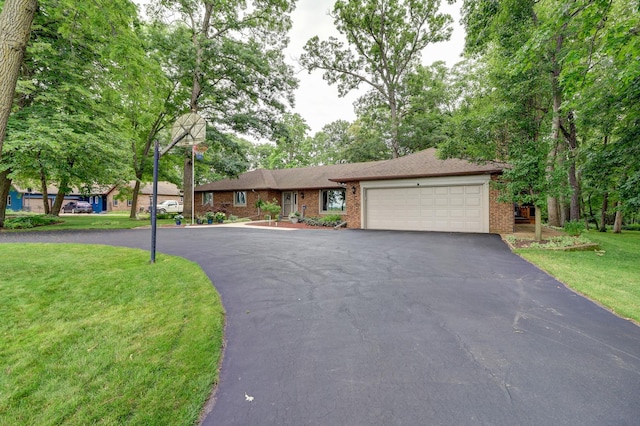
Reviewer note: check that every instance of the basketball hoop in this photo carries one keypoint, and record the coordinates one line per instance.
(191, 127)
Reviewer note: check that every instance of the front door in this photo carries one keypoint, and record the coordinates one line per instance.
(289, 202)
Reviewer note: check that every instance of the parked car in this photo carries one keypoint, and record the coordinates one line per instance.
(169, 206)
(77, 207)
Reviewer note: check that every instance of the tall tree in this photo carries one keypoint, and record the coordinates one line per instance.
(562, 42)
(67, 121)
(385, 39)
(234, 64)
(329, 143)
(15, 26)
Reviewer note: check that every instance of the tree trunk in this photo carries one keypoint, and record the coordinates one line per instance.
(196, 91)
(15, 26)
(552, 202)
(134, 199)
(605, 200)
(617, 224)
(5, 187)
(395, 144)
(603, 213)
(45, 192)
(574, 183)
(63, 189)
(57, 204)
(588, 216)
(538, 225)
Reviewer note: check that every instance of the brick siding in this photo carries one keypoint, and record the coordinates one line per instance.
(353, 216)
(501, 217)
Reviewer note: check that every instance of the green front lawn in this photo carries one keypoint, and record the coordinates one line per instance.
(610, 276)
(95, 334)
(94, 221)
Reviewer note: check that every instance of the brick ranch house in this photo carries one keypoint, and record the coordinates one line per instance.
(418, 192)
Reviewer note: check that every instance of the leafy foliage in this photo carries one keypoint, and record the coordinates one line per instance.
(330, 220)
(272, 208)
(31, 221)
(384, 39)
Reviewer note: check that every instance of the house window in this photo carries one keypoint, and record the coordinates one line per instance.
(207, 198)
(129, 203)
(333, 201)
(9, 201)
(240, 198)
(115, 202)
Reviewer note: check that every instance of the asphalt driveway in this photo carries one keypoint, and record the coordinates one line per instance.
(400, 328)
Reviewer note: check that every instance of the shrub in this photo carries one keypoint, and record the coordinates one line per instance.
(273, 208)
(329, 220)
(574, 228)
(311, 221)
(632, 227)
(333, 218)
(233, 218)
(24, 222)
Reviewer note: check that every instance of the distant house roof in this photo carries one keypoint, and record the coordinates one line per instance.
(421, 164)
(164, 188)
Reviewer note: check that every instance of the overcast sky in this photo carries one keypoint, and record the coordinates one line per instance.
(316, 101)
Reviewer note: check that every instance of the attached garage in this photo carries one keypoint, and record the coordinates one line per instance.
(452, 204)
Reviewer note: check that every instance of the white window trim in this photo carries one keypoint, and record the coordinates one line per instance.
(204, 199)
(321, 199)
(235, 199)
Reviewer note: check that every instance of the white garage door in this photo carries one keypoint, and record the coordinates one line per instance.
(456, 208)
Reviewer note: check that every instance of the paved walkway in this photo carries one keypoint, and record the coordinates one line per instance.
(399, 328)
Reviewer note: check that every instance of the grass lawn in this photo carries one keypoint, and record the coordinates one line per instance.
(95, 334)
(96, 221)
(611, 278)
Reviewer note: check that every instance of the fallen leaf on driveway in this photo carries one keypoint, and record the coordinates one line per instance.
(247, 397)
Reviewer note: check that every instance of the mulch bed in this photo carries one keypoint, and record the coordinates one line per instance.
(284, 224)
(525, 243)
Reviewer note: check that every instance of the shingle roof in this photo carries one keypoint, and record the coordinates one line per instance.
(164, 188)
(421, 164)
(317, 177)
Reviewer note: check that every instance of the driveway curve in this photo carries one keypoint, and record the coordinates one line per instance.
(399, 328)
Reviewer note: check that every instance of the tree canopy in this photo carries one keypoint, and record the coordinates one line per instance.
(385, 39)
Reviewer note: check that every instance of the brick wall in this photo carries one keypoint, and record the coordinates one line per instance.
(223, 201)
(501, 217)
(353, 205)
(311, 202)
(309, 198)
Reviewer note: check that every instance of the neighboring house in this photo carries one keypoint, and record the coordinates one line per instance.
(30, 199)
(102, 199)
(166, 191)
(415, 192)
